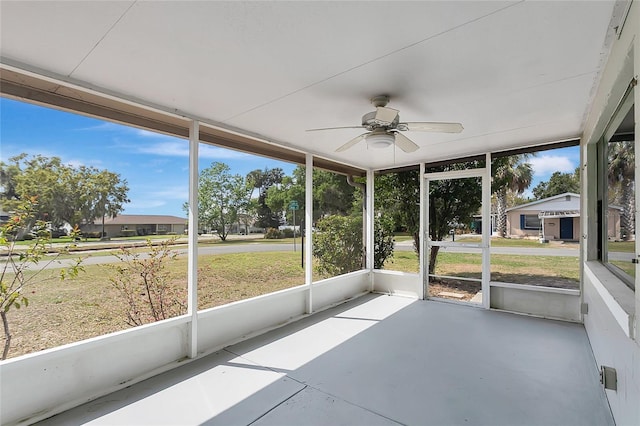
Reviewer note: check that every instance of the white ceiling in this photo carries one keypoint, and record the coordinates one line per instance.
(514, 73)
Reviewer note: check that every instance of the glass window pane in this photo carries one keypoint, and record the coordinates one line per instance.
(618, 207)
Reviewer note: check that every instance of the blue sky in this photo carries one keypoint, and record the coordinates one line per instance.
(154, 165)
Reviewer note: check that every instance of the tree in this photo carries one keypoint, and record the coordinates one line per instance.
(398, 195)
(262, 180)
(512, 174)
(221, 196)
(279, 196)
(558, 183)
(65, 194)
(105, 194)
(621, 177)
(247, 214)
(331, 195)
(13, 279)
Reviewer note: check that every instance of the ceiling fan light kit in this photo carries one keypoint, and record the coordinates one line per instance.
(379, 140)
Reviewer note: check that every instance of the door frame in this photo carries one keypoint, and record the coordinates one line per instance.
(485, 245)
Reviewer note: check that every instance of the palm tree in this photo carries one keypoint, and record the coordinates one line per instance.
(511, 173)
(621, 173)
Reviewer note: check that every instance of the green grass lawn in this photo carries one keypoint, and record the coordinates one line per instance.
(537, 270)
(517, 242)
(67, 311)
(622, 246)
(62, 312)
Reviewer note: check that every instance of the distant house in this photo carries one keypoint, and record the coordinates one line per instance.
(141, 224)
(554, 218)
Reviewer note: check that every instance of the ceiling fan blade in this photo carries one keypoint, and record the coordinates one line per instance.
(386, 115)
(404, 143)
(426, 126)
(335, 128)
(352, 142)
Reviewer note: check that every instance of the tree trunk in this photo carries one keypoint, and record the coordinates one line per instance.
(432, 259)
(627, 222)
(7, 335)
(501, 206)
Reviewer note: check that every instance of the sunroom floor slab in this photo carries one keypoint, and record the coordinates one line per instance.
(378, 359)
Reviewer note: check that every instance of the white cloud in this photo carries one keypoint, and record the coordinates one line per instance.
(178, 192)
(177, 148)
(106, 126)
(75, 162)
(544, 165)
(143, 205)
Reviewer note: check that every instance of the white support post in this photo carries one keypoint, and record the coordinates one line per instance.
(486, 233)
(370, 223)
(192, 274)
(308, 230)
(424, 268)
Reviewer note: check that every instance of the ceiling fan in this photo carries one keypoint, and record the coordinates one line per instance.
(384, 128)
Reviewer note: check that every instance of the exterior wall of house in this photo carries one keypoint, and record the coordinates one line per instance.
(143, 229)
(612, 320)
(552, 228)
(613, 224)
(552, 225)
(513, 226)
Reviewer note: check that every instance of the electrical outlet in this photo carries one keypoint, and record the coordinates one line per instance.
(609, 377)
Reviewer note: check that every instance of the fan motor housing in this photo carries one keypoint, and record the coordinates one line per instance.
(370, 123)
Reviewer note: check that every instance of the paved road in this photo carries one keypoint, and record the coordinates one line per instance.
(524, 251)
(95, 258)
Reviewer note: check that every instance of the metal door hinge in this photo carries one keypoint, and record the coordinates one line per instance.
(584, 308)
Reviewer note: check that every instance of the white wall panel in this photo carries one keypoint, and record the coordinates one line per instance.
(547, 303)
(38, 385)
(613, 348)
(396, 282)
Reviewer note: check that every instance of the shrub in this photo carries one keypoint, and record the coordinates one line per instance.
(57, 233)
(129, 233)
(95, 234)
(287, 233)
(273, 234)
(338, 244)
(144, 282)
(383, 242)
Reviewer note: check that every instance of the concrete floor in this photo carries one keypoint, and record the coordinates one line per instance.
(377, 360)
